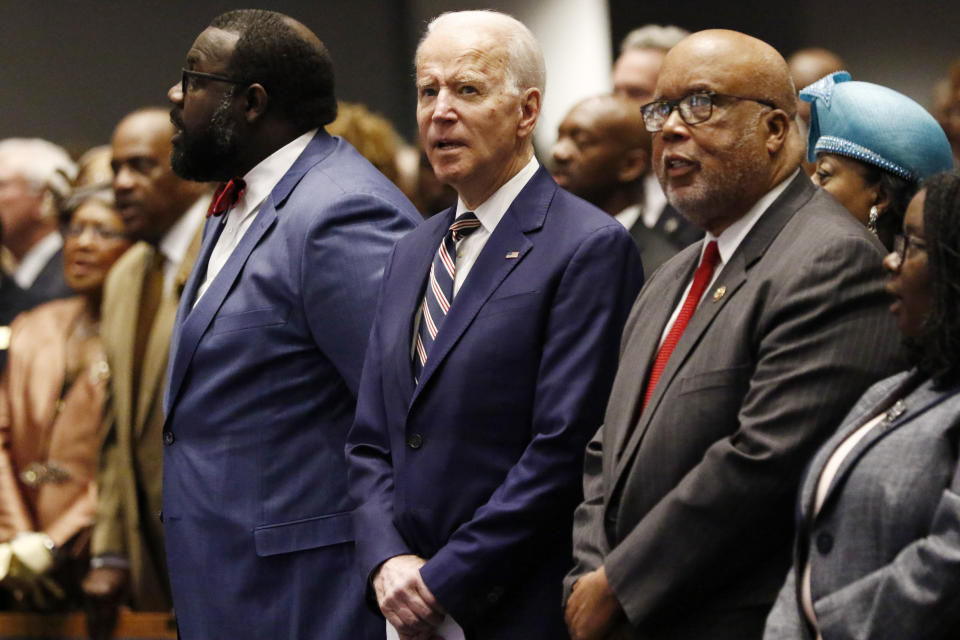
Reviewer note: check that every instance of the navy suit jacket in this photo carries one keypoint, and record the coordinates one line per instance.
(261, 391)
(477, 468)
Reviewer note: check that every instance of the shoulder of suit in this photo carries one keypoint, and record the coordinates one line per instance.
(130, 265)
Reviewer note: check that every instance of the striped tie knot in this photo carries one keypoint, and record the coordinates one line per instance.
(439, 294)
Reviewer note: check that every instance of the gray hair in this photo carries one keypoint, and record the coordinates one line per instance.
(525, 66)
(42, 164)
(654, 36)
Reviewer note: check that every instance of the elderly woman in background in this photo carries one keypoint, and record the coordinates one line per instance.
(878, 544)
(51, 399)
(872, 147)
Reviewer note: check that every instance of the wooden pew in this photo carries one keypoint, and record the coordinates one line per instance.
(72, 626)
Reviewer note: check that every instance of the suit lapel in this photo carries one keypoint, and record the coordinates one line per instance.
(410, 295)
(191, 324)
(900, 407)
(525, 214)
(638, 355)
(158, 345)
(732, 277)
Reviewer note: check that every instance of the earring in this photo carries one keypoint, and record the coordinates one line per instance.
(872, 220)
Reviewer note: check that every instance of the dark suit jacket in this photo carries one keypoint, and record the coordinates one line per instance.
(13, 300)
(688, 506)
(885, 547)
(262, 384)
(476, 468)
(655, 247)
(50, 283)
(680, 231)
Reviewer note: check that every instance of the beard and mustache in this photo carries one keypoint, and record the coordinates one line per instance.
(207, 154)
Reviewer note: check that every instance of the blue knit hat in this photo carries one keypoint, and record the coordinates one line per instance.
(875, 125)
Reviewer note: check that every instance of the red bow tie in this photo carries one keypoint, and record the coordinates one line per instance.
(226, 196)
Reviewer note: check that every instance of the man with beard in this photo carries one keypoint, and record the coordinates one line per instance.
(601, 154)
(164, 213)
(269, 339)
(739, 358)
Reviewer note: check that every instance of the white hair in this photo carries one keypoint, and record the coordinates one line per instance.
(525, 67)
(654, 36)
(42, 164)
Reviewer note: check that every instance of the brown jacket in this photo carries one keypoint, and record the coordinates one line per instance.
(33, 430)
(131, 456)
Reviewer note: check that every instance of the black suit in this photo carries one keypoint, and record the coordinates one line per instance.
(13, 300)
(50, 283)
(680, 231)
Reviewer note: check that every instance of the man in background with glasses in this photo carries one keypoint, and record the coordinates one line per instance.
(740, 355)
(269, 339)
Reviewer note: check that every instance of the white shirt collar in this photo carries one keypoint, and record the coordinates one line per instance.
(491, 211)
(654, 200)
(264, 177)
(629, 215)
(732, 236)
(36, 259)
(176, 240)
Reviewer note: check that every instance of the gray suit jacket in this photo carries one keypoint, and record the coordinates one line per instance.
(885, 547)
(688, 506)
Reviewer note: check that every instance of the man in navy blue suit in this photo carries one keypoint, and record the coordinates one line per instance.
(493, 346)
(269, 340)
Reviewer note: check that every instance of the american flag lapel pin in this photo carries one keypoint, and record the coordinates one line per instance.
(513, 254)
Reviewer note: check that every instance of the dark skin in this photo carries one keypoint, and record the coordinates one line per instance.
(260, 128)
(693, 163)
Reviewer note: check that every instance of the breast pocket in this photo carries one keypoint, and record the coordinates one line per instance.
(514, 302)
(251, 319)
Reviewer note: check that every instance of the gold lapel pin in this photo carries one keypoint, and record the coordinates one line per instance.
(719, 293)
(513, 254)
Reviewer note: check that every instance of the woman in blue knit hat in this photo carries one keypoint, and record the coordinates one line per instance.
(873, 147)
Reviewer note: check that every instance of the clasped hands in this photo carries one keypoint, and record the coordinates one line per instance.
(593, 611)
(405, 600)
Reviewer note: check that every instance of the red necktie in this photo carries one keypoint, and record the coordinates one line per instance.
(702, 277)
(226, 196)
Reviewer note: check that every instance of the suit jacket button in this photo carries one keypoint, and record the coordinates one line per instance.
(824, 543)
(168, 438)
(415, 441)
(495, 594)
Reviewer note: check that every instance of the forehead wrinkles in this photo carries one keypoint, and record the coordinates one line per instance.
(446, 56)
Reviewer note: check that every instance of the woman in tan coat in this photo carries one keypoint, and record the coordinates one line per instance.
(51, 400)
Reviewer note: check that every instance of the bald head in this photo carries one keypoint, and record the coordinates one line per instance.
(741, 64)
(715, 170)
(149, 196)
(809, 65)
(602, 152)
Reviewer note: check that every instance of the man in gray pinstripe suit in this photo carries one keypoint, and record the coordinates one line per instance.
(723, 394)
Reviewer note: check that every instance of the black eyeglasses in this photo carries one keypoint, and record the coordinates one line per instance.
(186, 74)
(694, 108)
(903, 242)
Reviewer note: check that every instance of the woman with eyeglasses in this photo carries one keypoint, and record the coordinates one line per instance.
(51, 400)
(872, 147)
(877, 552)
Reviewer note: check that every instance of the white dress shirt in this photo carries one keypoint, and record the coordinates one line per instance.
(489, 214)
(654, 200)
(176, 240)
(260, 181)
(629, 216)
(728, 242)
(36, 259)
